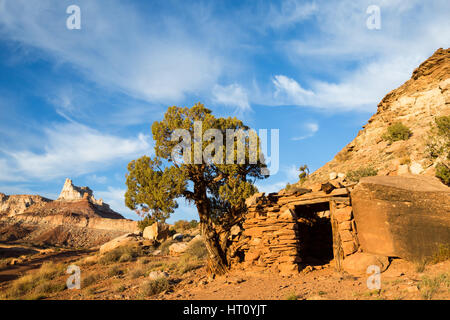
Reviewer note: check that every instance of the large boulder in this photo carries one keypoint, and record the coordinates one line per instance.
(358, 263)
(157, 231)
(178, 248)
(129, 239)
(402, 216)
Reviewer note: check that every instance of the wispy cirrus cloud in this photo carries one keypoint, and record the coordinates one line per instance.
(70, 149)
(232, 95)
(311, 128)
(118, 47)
(290, 12)
(356, 66)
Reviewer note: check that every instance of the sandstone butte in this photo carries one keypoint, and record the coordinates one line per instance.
(416, 103)
(75, 219)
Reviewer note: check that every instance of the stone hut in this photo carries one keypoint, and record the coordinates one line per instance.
(283, 231)
(286, 231)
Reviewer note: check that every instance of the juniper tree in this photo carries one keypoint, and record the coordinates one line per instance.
(215, 186)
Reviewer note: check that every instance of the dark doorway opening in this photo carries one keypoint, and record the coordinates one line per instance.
(315, 233)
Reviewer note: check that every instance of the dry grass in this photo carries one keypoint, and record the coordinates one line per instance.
(152, 287)
(430, 286)
(37, 284)
(164, 247)
(443, 254)
(121, 254)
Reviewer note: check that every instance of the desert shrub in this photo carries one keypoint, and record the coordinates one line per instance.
(442, 254)
(192, 258)
(89, 280)
(438, 142)
(152, 287)
(356, 175)
(183, 225)
(197, 250)
(125, 257)
(146, 222)
(137, 273)
(156, 265)
(443, 126)
(420, 265)
(291, 296)
(4, 263)
(120, 288)
(115, 271)
(49, 288)
(396, 132)
(143, 260)
(121, 254)
(443, 173)
(164, 247)
(304, 173)
(430, 286)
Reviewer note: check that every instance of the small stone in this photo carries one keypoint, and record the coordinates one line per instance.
(155, 275)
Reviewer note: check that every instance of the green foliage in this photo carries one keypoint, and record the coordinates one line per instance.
(216, 187)
(396, 132)
(146, 222)
(443, 173)
(443, 126)
(304, 173)
(438, 142)
(155, 183)
(183, 225)
(356, 175)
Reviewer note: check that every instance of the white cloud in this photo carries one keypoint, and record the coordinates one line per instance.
(288, 91)
(311, 128)
(115, 197)
(290, 13)
(97, 179)
(117, 47)
(73, 149)
(232, 95)
(359, 66)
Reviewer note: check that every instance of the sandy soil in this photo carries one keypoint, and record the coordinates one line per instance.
(400, 281)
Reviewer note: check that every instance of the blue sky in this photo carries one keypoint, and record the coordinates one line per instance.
(80, 103)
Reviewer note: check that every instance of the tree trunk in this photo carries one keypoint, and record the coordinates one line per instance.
(217, 261)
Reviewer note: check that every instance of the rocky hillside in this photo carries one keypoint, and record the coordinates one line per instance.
(75, 219)
(415, 104)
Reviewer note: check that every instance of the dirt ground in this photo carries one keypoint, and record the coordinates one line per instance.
(401, 281)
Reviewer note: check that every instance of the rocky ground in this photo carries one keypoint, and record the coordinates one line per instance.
(39, 273)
